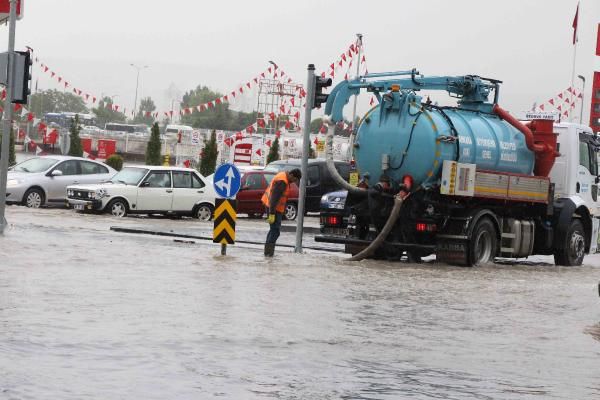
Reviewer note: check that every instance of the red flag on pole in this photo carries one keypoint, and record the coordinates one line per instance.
(575, 24)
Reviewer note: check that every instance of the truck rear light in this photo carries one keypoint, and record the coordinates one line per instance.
(422, 227)
(332, 220)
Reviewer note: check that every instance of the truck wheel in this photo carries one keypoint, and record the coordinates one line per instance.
(483, 244)
(574, 248)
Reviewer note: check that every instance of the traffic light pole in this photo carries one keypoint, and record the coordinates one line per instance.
(310, 91)
(8, 112)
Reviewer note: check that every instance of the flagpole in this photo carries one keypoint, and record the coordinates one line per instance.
(575, 40)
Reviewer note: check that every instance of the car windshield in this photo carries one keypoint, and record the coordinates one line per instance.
(129, 176)
(35, 165)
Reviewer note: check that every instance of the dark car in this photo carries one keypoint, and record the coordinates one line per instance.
(334, 213)
(319, 179)
(253, 185)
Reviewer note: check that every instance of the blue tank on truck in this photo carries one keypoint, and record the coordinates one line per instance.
(411, 137)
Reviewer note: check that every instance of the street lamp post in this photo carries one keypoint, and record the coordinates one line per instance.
(139, 68)
(582, 97)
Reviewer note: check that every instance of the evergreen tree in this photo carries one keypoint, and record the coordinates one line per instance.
(311, 152)
(208, 163)
(273, 151)
(75, 149)
(153, 148)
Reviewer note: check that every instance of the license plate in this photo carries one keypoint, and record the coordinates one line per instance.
(336, 231)
(79, 207)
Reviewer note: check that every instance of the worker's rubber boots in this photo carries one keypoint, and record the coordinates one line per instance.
(269, 249)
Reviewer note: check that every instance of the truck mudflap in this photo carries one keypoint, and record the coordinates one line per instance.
(452, 249)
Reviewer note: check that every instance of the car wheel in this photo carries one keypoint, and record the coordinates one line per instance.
(118, 208)
(574, 249)
(291, 211)
(33, 198)
(204, 212)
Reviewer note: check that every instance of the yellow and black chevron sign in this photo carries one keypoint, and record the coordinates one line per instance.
(225, 216)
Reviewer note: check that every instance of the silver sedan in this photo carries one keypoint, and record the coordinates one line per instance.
(40, 180)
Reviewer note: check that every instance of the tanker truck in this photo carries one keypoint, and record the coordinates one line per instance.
(467, 182)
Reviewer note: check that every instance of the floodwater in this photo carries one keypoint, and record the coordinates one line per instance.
(86, 313)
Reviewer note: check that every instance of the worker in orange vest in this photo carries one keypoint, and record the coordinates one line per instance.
(275, 199)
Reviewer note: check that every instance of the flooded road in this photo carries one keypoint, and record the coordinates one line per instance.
(86, 313)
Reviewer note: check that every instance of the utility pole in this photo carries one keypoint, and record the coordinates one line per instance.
(310, 91)
(8, 113)
(351, 146)
(137, 83)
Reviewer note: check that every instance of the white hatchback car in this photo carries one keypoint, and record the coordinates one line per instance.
(148, 190)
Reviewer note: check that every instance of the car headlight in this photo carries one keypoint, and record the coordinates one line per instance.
(69, 193)
(12, 182)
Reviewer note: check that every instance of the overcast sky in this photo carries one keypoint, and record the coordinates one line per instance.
(222, 44)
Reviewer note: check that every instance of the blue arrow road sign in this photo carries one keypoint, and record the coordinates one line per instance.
(227, 181)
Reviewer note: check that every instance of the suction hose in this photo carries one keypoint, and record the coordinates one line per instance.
(392, 218)
(331, 165)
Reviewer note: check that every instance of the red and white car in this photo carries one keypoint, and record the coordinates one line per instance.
(253, 186)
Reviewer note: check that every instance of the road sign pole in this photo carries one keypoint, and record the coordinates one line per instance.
(310, 87)
(8, 113)
(223, 249)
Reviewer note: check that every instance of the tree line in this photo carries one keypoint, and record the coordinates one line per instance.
(220, 117)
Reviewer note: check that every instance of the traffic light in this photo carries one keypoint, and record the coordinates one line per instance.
(320, 97)
(22, 77)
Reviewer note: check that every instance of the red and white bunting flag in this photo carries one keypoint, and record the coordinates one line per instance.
(255, 80)
(259, 152)
(332, 66)
(542, 107)
(363, 59)
(233, 94)
(352, 47)
(272, 116)
(297, 115)
(322, 129)
(372, 101)
(269, 69)
(241, 89)
(268, 143)
(580, 95)
(218, 101)
(560, 95)
(316, 141)
(238, 136)
(261, 122)
(288, 124)
(559, 108)
(574, 25)
(52, 73)
(340, 62)
(248, 84)
(322, 74)
(46, 68)
(93, 99)
(228, 141)
(262, 74)
(59, 79)
(343, 56)
(250, 129)
(211, 104)
(225, 98)
(292, 101)
(278, 134)
(551, 101)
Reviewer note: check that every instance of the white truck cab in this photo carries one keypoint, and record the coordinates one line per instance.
(575, 172)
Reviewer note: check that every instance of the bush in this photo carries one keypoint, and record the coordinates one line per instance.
(75, 149)
(153, 148)
(115, 161)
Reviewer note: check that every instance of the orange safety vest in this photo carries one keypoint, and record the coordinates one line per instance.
(266, 198)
